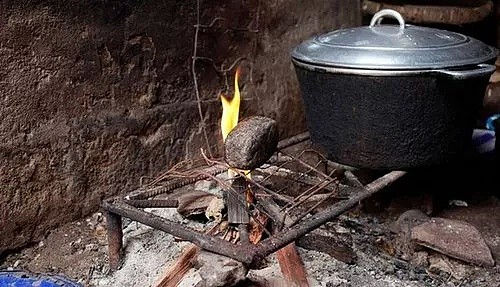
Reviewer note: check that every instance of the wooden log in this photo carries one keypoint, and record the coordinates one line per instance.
(237, 212)
(288, 257)
(292, 266)
(176, 272)
(174, 275)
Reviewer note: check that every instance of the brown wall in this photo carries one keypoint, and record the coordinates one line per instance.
(96, 94)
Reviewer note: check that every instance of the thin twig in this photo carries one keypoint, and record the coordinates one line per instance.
(307, 165)
(215, 20)
(310, 209)
(302, 200)
(195, 79)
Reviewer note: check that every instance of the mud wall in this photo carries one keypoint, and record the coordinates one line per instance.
(95, 95)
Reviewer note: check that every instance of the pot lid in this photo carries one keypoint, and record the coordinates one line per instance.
(389, 47)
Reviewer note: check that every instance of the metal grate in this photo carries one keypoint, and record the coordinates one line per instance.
(298, 190)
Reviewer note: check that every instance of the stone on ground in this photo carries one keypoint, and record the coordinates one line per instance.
(457, 239)
(217, 270)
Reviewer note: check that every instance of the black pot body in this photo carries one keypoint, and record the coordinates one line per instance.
(390, 122)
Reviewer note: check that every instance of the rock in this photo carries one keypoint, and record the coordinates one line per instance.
(217, 270)
(402, 243)
(485, 216)
(209, 186)
(214, 209)
(413, 199)
(251, 143)
(272, 276)
(454, 238)
(407, 220)
(192, 278)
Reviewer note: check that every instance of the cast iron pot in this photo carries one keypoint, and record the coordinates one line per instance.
(392, 96)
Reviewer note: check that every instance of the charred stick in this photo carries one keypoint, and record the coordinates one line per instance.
(183, 264)
(210, 243)
(287, 236)
(115, 239)
(339, 166)
(310, 210)
(176, 183)
(291, 264)
(273, 210)
(153, 203)
(293, 140)
(352, 179)
(300, 177)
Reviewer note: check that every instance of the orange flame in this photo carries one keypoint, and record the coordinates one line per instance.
(230, 109)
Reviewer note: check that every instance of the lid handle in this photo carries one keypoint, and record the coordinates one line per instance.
(377, 18)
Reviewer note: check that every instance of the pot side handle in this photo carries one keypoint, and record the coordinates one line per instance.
(481, 70)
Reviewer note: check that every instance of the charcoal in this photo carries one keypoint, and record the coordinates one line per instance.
(329, 245)
(251, 143)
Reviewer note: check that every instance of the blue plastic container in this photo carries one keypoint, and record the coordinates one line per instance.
(26, 279)
(484, 141)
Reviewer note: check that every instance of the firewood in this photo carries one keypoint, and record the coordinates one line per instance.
(256, 229)
(175, 273)
(237, 212)
(182, 265)
(292, 266)
(288, 257)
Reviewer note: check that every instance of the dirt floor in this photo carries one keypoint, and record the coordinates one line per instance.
(78, 250)
(366, 246)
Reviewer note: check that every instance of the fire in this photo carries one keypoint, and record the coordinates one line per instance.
(229, 120)
(230, 109)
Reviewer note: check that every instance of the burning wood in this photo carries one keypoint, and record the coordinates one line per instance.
(237, 211)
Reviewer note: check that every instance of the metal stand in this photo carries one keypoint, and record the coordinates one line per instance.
(130, 206)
